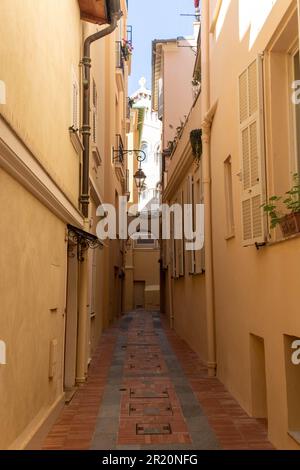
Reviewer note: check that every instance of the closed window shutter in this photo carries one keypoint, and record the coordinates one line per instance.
(199, 198)
(181, 242)
(75, 104)
(172, 247)
(94, 113)
(190, 198)
(252, 153)
(93, 283)
(94, 127)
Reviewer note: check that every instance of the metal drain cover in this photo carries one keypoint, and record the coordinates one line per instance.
(148, 393)
(146, 367)
(145, 358)
(153, 429)
(148, 409)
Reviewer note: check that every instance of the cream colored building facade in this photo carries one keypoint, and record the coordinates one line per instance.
(237, 306)
(142, 278)
(56, 298)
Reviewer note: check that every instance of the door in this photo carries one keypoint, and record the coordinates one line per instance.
(71, 320)
(139, 294)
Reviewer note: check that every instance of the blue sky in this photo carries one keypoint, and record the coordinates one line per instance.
(155, 19)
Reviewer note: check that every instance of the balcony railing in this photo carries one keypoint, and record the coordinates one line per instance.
(120, 56)
(129, 34)
(128, 107)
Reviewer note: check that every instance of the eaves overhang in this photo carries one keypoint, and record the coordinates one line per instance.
(98, 11)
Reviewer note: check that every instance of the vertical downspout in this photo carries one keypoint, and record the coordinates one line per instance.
(298, 1)
(81, 363)
(206, 129)
(86, 126)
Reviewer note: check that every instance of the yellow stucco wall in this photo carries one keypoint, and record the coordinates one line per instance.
(37, 66)
(37, 61)
(32, 282)
(146, 268)
(256, 292)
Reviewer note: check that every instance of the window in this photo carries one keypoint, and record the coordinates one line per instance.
(94, 112)
(191, 202)
(160, 98)
(145, 242)
(252, 153)
(145, 148)
(282, 117)
(291, 348)
(229, 198)
(296, 77)
(179, 243)
(172, 245)
(75, 103)
(199, 199)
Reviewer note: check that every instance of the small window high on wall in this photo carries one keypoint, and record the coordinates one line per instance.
(230, 230)
(296, 77)
(282, 115)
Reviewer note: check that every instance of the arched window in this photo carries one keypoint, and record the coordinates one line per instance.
(157, 154)
(145, 148)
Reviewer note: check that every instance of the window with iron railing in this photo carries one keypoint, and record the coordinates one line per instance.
(127, 188)
(129, 34)
(118, 156)
(120, 59)
(128, 107)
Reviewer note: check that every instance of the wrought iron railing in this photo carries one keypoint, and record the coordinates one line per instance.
(129, 34)
(118, 156)
(120, 57)
(128, 107)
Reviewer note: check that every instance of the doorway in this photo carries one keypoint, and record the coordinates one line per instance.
(139, 294)
(258, 378)
(71, 320)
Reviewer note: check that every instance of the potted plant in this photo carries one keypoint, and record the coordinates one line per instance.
(289, 222)
(127, 49)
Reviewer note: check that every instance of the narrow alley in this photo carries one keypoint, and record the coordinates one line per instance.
(150, 227)
(148, 390)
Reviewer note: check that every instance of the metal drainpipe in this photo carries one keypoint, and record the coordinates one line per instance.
(86, 127)
(206, 129)
(81, 362)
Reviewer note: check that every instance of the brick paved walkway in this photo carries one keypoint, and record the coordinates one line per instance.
(148, 390)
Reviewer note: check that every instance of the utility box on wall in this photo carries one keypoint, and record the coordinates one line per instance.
(2, 353)
(53, 358)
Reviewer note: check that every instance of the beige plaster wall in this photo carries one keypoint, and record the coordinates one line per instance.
(256, 292)
(37, 62)
(33, 281)
(146, 268)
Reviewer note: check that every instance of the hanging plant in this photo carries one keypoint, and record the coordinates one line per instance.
(196, 143)
(127, 49)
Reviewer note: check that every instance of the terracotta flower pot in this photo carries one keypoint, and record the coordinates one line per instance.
(290, 224)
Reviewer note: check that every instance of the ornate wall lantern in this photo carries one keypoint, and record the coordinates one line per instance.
(139, 179)
(196, 143)
(139, 176)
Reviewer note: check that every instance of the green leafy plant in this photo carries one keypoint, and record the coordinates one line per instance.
(291, 202)
(271, 209)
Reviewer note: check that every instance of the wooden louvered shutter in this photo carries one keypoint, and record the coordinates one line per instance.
(252, 153)
(75, 103)
(199, 198)
(172, 247)
(190, 201)
(94, 113)
(180, 243)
